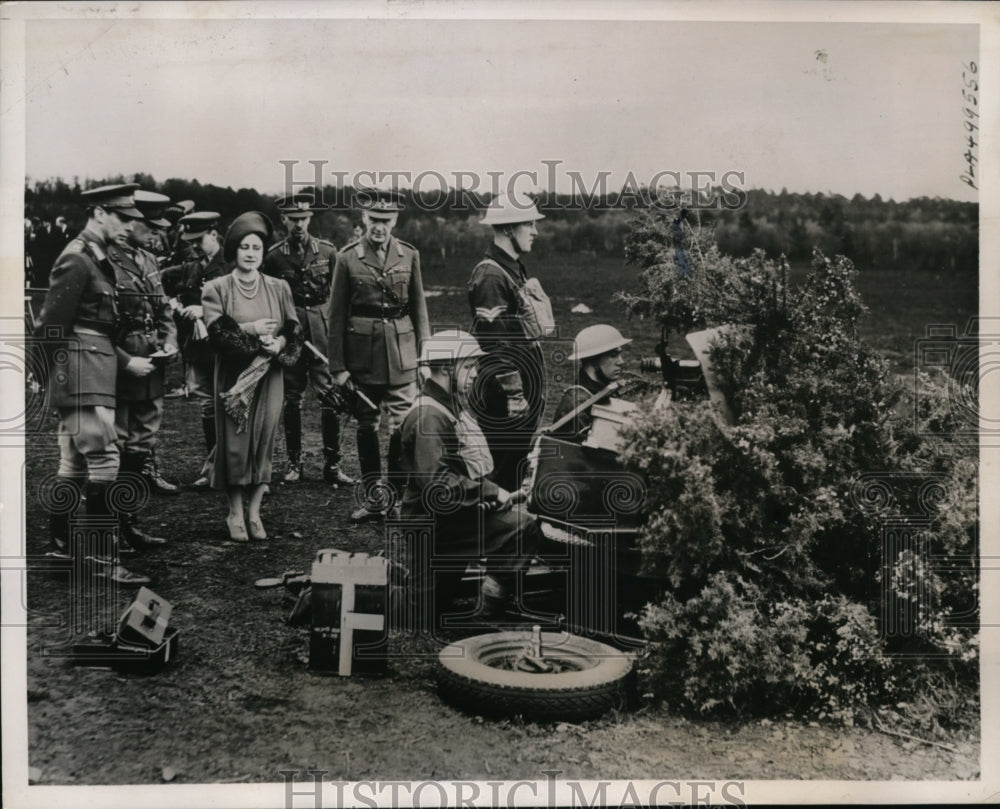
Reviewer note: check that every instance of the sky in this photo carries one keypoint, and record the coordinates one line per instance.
(817, 107)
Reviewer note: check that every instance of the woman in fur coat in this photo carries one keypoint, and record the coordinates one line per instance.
(252, 325)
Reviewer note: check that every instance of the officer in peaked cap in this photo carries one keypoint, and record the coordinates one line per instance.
(176, 250)
(78, 329)
(306, 264)
(147, 328)
(378, 319)
(184, 284)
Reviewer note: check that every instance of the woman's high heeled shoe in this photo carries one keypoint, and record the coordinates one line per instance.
(257, 529)
(237, 528)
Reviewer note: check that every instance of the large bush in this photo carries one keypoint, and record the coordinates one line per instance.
(803, 545)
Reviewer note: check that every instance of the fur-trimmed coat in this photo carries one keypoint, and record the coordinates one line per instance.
(233, 344)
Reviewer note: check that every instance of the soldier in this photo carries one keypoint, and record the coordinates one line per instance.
(77, 327)
(510, 398)
(177, 250)
(378, 318)
(445, 455)
(146, 328)
(184, 284)
(306, 264)
(172, 252)
(598, 349)
(61, 233)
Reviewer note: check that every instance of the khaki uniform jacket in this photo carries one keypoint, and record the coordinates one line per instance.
(377, 350)
(185, 282)
(309, 276)
(146, 321)
(82, 369)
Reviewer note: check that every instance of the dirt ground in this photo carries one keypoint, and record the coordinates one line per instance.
(239, 704)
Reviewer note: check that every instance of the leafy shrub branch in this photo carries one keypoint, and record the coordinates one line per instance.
(803, 545)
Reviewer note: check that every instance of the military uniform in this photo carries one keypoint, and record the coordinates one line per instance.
(185, 282)
(378, 317)
(513, 371)
(576, 429)
(307, 267)
(78, 328)
(146, 326)
(447, 463)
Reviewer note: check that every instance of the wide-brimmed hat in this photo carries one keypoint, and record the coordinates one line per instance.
(511, 209)
(594, 341)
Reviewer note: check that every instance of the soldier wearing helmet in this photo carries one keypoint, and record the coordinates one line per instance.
(448, 463)
(598, 349)
(509, 400)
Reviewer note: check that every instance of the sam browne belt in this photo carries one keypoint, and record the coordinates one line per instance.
(385, 312)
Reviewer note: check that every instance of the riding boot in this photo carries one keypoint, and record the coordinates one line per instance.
(157, 484)
(293, 441)
(208, 428)
(371, 477)
(66, 496)
(133, 465)
(394, 464)
(330, 429)
(103, 550)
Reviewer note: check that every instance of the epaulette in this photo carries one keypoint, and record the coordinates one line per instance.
(350, 245)
(74, 245)
(276, 246)
(331, 245)
(401, 243)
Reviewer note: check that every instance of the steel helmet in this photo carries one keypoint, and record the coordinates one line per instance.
(596, 340)
(449, 346)
(511, 209)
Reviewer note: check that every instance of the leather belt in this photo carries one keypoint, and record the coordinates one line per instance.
(385, 312)
(86, 330)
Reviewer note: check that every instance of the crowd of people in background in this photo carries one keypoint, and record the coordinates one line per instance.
(257, 320)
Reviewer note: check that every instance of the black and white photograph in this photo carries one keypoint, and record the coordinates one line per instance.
(474, 404)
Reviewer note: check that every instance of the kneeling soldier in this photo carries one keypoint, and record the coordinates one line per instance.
(447, 460)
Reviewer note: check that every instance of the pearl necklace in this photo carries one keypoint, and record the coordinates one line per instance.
(247, 290)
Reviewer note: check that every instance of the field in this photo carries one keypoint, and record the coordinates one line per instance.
(239, 704)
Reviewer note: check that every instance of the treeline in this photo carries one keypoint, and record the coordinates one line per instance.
(923, 233)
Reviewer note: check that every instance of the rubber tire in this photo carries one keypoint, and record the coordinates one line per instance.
(467, 682)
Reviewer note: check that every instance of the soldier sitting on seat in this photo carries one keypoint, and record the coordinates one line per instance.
(598, 349)
(447, 460)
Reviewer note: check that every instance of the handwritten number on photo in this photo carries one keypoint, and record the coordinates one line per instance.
(969, 91)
